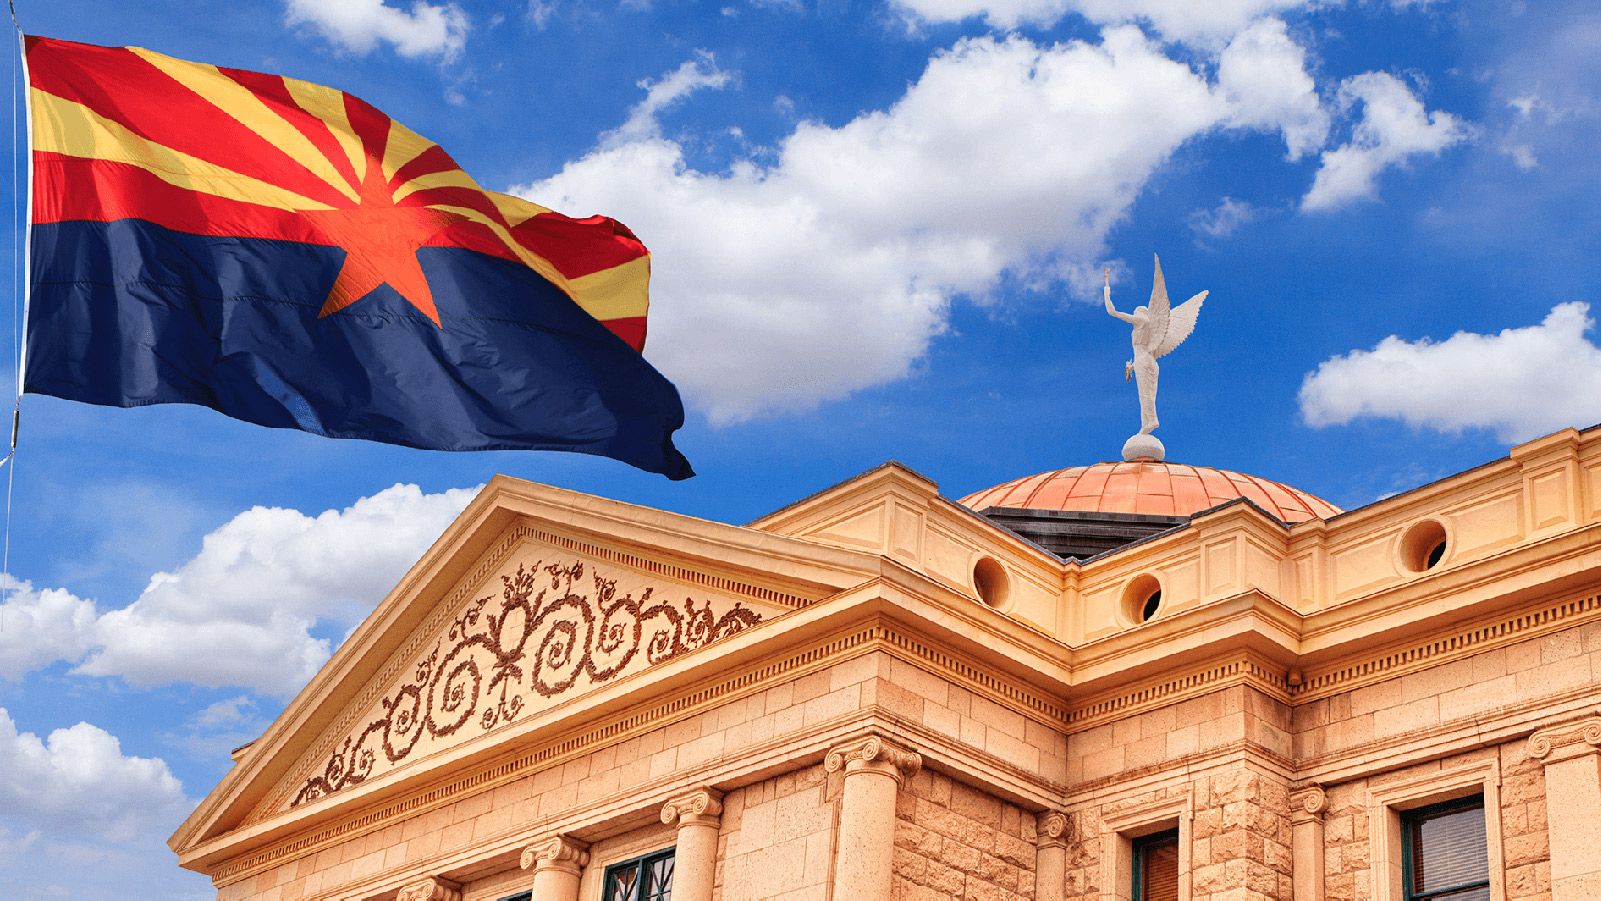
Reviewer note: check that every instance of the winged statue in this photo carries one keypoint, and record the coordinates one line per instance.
(1158, 329)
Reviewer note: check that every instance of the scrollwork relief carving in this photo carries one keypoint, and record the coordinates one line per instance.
(874, 754)
(433, 888)
(550, 629)
(704, 806)
(1544, 742)
(1050, 829)
(1308, 804)
(560, 852)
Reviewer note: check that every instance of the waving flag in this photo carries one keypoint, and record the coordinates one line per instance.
(288, 255)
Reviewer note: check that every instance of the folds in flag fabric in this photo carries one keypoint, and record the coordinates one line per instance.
(288, 255)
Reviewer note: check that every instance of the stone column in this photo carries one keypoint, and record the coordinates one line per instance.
(433, 888)
(699, 818)
(874, 769)
(1050, 856)
(557, 863)
(1306, 842)
(1572, 758)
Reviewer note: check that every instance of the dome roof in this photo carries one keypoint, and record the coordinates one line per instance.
(1157, 489)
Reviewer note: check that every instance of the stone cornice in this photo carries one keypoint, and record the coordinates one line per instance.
(1566, 741)
(702, 807)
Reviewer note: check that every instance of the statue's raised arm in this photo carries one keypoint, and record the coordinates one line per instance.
(1106, 294)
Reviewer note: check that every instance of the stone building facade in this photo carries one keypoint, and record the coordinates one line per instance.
(879, 693)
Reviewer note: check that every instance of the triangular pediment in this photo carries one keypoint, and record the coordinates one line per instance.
(533, 599)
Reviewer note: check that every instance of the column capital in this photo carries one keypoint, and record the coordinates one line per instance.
(873, 754)
(1566, 741)
(1050, 829)
(433, 888)
(556, 852)
(1308, 804)
(701, 807)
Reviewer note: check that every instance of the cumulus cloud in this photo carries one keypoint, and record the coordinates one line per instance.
(662, 94)
(39, 627)
(1222, 220)
(360, 25)
(1263, 74)
(1522, 383)
(78, 780)
(1394, 127)
(829, 268)
(1176, 20)
(242, 612)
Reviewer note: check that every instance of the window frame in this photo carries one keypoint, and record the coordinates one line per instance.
(641, 861)
(1137, 848)
(1409, 850)
(1388, 801)
(1126, 827)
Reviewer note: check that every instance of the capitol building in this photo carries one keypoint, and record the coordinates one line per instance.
(1126, 681)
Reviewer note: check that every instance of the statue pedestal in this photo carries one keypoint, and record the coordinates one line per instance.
(1144, 447)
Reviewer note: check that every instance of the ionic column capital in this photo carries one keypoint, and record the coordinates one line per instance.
(557, 852)
(433, 888)
(702, 807)
(1566, 741)
(1050, 829)
(1308, 804)
(873, 754)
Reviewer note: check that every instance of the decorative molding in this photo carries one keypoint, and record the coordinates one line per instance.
(1385, 802)
(433, 888)
(548, 633)
(556, 852)
(1451, 646)
(702, 807)
(458, 597)
(1050, 829)
(873, 754)
(1566, 741)
(1246, 669)
(1308, 805)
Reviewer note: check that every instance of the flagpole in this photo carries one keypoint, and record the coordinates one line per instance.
(21, 336)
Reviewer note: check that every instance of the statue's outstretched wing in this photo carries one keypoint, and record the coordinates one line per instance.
(1180, 322)
(1157, 309)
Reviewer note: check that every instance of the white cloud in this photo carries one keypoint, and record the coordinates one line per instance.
(242, 611)
(1263, 74)
(1221, 221)
(1394, 127)
(40, 627)
(1523, 382)
(1177, 20)
(359, 25)
(662, 94)
(78, 780)
(779, 285)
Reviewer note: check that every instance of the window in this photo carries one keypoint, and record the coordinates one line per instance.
(1156, 867)
(525, 896)
(648, 878)
(1443, 852)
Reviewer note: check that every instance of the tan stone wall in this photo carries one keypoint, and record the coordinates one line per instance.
(954, 841)
(1460, 691)
(777, 840)
(1149, 741)
(1238, 835)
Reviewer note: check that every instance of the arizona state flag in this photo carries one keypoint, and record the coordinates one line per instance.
(288, 255)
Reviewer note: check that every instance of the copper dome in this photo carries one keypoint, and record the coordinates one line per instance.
(1158, 489)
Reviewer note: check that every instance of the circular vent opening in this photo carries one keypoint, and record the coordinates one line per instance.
(1424, 546)
(991, 582)
(1142, 599)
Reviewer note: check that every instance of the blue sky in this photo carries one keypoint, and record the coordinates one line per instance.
(878, 231)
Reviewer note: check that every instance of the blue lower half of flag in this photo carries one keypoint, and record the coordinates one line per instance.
(128, 313)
